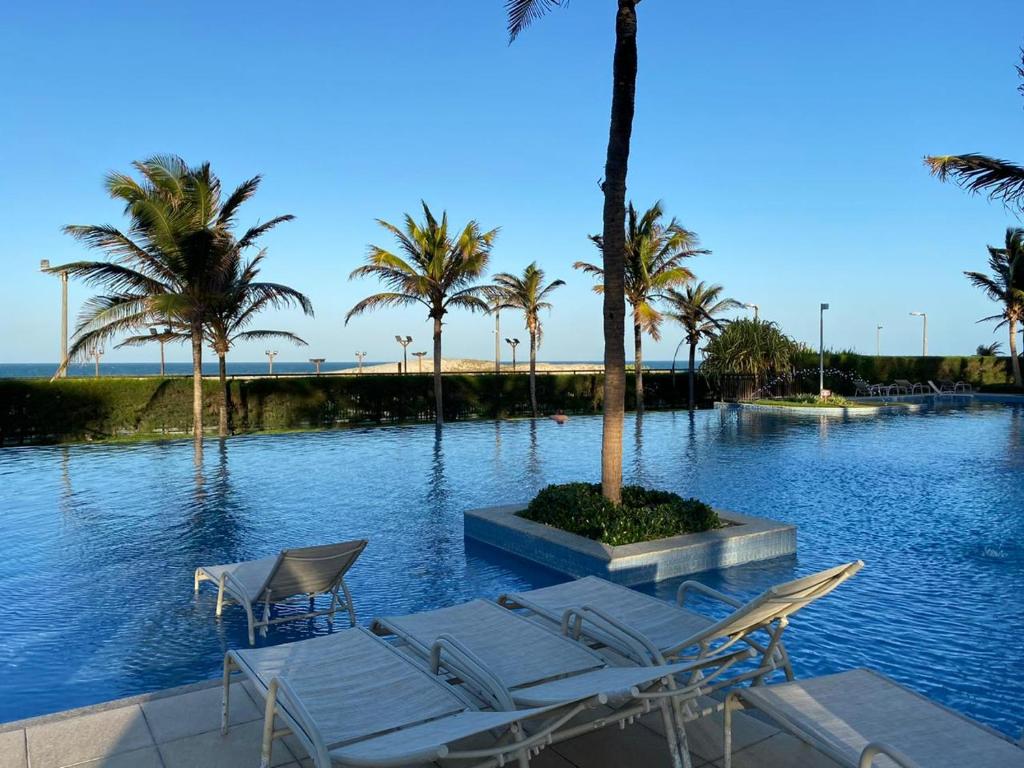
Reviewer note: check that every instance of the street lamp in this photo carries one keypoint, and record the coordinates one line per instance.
(878, 341)
(160, 336)
(513, 343)
(757, 310)
(97, 353)
(821, 349)
(271, 354)
(419, 355)
(924, 337)
(317, 361)
(405, 341)
(44, 266)
(359, 357)
(497, 340)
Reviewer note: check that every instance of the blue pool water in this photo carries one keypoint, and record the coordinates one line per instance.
(98, 543)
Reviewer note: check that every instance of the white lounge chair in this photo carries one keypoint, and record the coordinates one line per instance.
(861, 719)
(539, 667)
(871, 390)
(309, 571)
(353, 700)
(677, 632)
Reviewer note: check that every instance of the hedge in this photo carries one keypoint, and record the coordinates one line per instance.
(36, 410)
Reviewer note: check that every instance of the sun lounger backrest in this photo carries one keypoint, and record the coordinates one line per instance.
(312, 569)
(779, 602)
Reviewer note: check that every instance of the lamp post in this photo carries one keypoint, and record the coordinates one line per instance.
(497, 341)
(359, 357)
(924, 336)
(878, 341)
(405, 341)
(821, 348)
(271, 354)
(317, 361)
(97, 353)
(161, 336)
(62, 371)
(513, 343)
(757, 310)
(419, 361)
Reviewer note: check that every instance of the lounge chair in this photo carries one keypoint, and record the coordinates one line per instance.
(309, 571)
(857, 716)
(351, 699)
(908, 387)
(677, 632)
(871, 390)
(537, 666)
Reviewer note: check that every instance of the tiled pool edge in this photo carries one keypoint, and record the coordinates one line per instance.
(748, 539)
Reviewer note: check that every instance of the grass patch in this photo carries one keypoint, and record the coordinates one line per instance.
(813, 401)
(643, 515)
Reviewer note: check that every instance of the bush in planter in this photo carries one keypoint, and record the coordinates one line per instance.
(643, 515)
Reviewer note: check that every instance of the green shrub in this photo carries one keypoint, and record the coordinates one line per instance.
(644, 514)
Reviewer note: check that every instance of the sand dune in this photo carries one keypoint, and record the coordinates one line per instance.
(458, 365)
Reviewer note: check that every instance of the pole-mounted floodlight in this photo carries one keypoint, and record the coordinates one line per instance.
(419, 356)
(878, 340)
(271, 354)
(62, 371)
(405, 341)
(317, 361)
(924, 332)
(359, 357)
(755, 307)
(821, 348)
(513, 343)
(97, 353)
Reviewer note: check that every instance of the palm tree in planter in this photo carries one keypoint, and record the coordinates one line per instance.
(1004, 286)
(436, 269)
(654, 255)
(171, 262)
(1002, 180)
(624, 65)
(527, 293)
(695, 309)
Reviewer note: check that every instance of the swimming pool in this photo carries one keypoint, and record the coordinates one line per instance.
(98, 542)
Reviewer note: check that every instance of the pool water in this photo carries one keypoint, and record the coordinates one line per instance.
(98, 542)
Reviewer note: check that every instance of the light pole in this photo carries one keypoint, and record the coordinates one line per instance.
(271, 354)
(44, 266)
(513, 343)
(359, 357)
(497, 341)
(878, 341)
(757, 310)
(97, 353)
(821, 348)
(924, 337)
(405, 341)
(317, 361)
(419, 361)
(161, 336)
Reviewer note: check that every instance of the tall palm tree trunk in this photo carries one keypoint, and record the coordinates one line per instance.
(533, 372)
(693, 360)
(638, 363)
(438, 399)
(197, 381)
(1014, 359)
(222, 423)
(624, 68)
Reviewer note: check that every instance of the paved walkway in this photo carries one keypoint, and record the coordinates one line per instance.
(180, 728)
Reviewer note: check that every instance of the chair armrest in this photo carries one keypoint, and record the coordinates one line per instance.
(875, 748)
(625, 640)
(707, 591)
(298, 712)
(466, 665)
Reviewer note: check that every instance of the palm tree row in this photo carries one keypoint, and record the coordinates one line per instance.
(178, 265)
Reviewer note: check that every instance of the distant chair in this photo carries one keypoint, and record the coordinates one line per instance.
(871, 390)
(910, 388)
(309, 571)
(948, 386)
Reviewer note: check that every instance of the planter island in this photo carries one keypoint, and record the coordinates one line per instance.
(741, 539)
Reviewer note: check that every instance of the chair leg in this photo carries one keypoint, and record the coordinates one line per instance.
(252, 622)
(225, 704)
(348, 604)
(220, 598)
(195, 584)
(728, 730)
(268, 726)
(266, 616)
(679, 759)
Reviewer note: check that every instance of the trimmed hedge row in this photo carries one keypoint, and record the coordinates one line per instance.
(36, 410)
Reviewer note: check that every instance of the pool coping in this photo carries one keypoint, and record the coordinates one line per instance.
(864, 410)
(746, 539)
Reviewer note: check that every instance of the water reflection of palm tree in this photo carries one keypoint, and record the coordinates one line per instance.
(638, 450)
(534, 470)
(67, 497)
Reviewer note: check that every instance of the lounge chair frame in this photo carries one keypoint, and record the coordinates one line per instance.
(230, 589)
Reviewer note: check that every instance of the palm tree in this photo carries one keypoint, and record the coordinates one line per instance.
(437, 271)
(1003, 286)
(654, 255)
(989, 350)
(756, 348)
(624, 65)
(695, 308)
(170, 263)
(1002, 180)
(236, 305)
(528, 293)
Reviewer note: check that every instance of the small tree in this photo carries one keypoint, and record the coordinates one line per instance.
(695, 308)
(1004, 286)
(756, 348)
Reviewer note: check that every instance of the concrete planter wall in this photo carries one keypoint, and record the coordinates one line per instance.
(746, 540)
(869, 410)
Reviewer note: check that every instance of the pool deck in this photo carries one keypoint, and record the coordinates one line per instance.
(180, 728)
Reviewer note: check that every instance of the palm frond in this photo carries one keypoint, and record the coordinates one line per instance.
(522, 13)
(999, 179)
(382, 300)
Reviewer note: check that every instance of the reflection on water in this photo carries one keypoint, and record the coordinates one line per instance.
(110, 535)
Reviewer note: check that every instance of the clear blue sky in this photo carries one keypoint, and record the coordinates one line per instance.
(788, 135)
